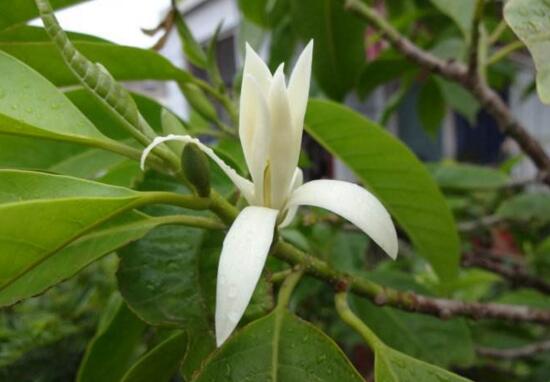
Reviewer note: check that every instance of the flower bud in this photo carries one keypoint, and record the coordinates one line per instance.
(196, 168)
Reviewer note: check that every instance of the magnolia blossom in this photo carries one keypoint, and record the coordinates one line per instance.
(270, 130)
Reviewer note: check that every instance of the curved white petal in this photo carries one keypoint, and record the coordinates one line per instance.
(297, 181)
(283, 158)
(244, 185)
(254, 131)
(243, 256)
(256, 67)
(298, 88)
(353, 203)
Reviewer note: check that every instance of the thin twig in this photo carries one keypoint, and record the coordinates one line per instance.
(505, 51)
(513, 273)
(515, 353)
(458, 72)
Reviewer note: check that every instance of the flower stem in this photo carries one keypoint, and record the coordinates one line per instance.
(288, 287)
(347, 315)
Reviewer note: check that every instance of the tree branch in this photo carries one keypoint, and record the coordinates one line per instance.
(458, 72)
(515, 274)
(515, 353)
(380, 295)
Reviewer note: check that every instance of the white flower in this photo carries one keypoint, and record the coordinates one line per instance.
(270, 129)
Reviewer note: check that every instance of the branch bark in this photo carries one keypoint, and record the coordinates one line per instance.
(458, 72)
(515, 274)
(439, 307)
(515, 353)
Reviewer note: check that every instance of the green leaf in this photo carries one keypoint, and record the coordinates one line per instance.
(530, 21)
(31, 106)
(69, 207)
(110, 352)
(282, 43)
(338, 54)
(78, 255)
(459, 99)
(459, 176)
(266, 13)
(160, 363)
(461, 12)
(392, 172)
(192, 49)
(431, 107)
(120, 61)
(418, 335)
(382, 71)
(393, 366)
(25, 10)
(525, 207)
(278, 347)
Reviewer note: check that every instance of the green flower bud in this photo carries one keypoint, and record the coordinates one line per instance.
(196, 168)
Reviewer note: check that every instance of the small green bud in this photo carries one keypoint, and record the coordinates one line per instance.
(199, 102)
(196, 168)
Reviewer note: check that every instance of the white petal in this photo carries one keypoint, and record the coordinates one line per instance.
(283, 158)
(243, 256)
(254, 131)
(353, 203)
(298, 89)
(297, 181)
(244, 185)
(256, 67)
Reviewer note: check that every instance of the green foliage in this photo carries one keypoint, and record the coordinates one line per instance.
(109, 353)
(278, 347)
(431, 107)
(395, 176)
(160, 363)
(529, 20)
(25, 11)
(461, 12)
(527, 207)
(457, 176)
(338, 36)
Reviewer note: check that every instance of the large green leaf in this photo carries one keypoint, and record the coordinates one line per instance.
(392, 172)
(25, 10)
(73, 258)
(110, 352)
(530, 20)
(123, 62)
(278, 347)
(338, 55)
(31, 106)
(160, 363)
(68, 207)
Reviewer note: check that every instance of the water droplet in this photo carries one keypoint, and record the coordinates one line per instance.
(321, 358)
(227, 370)
(14, 107)
(55, 106)
(28, 110)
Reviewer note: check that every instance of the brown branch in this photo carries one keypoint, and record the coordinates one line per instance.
(514, 273)
(515, 353)
(458, 72)
(440, 307)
